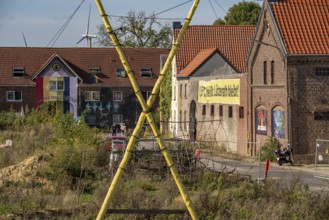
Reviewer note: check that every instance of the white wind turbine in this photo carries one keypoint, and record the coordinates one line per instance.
(87, 36)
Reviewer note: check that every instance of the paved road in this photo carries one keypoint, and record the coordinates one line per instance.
(286, 174)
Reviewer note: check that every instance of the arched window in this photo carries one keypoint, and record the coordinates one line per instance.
(261, 120)
(174, 91)
(185, 127)
(265, 72)
(185, 90)
(278, 120)
(180, 120)
(180, 90)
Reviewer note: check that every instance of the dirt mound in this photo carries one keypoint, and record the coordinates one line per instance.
(24, 171)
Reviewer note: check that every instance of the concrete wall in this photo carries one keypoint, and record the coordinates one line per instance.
(225, 131)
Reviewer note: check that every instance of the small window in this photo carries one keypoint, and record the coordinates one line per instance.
(185, 91)
(146, 95)
(321, 116)
(175, 116)
(241, 112)
(146, 72)
(272, 72)
(180, 120)
(212, 110)
(14, 96)
(220, 111)
(60, 85)
(265, 72)
(322, 71)
(163, 59)
(230, 112)
(117, 118)
(204, 109)
(18, 71)
(56, 85)
(174, 93)
(120, 72)
(92, 96)
(117, 96)
(185, 127)
(95, 71)
(180, 90)
(52, 85)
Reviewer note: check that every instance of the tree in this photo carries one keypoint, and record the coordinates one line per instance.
(136, 31)
(243, 13)
(165, 100)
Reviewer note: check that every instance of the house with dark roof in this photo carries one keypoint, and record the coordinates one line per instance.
(209, 101)
(288, 65)
(77, 80)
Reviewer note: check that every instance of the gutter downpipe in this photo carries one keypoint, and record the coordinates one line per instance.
(289, 107)
(146, 113)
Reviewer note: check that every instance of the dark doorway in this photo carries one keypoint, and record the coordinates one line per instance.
(193, 121)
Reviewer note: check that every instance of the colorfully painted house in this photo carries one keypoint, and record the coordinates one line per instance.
(77, 80)
(56, 82)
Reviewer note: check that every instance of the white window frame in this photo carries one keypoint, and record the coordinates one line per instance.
(13, 93)
(92, 96)
(119, 71)
(148, 94)
(56, 85)
(117, 96)
(146, 72)
(117, 118)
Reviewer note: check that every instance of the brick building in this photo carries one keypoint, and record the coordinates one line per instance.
(77, 80)
(288, 66)
(209, 82)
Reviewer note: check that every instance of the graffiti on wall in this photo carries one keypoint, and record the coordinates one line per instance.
(97, 113)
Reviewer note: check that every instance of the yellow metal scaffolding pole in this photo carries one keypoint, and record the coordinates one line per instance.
(146, 112)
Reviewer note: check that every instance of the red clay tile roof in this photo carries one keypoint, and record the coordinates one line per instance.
(202, 56)
(303, 25)
(80, 60)
(50, 59)
(233, 41)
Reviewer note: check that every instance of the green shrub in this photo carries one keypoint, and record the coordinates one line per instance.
(268, 149)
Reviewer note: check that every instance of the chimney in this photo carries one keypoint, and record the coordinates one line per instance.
(177, 25)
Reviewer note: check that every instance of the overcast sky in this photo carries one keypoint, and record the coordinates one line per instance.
(40, 20)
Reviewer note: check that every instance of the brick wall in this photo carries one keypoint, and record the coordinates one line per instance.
(309, 94)
(272, 92)
(295, 76)
(28, 97)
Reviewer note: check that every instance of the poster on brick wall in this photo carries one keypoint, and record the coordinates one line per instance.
(278, 123)
(261, 121)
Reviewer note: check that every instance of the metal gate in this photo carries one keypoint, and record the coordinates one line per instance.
(321, 159)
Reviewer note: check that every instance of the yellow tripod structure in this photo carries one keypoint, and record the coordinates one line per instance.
(146, 113)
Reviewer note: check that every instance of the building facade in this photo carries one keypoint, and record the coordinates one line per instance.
(77, 80)
(288, 67)
(209, 100)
